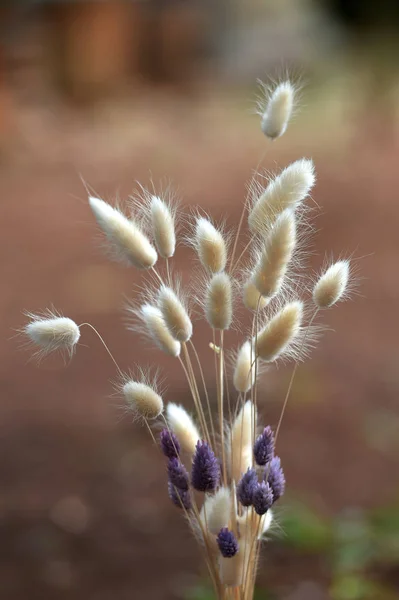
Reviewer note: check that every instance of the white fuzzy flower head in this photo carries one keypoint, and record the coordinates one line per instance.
(163, 226)
(158, 330)
(128, 241)
(219, 301)
(252, 298)
(182, 426)
(331, 286)
(210, 246)
(279, 332)
(278, 110)
(287, 190)
(142, 399)
(175, 314)
(52, 332)
(244, 371)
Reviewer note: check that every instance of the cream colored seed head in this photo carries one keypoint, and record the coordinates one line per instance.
(144, 401)
(216, 510)
(278, 110)
(163, 226)
(158, 330)
(126, 237)
(273, 261)
(218, 301)
(182, 426)
(175, 314)
(242, 441)
(287, 190)
(210, 246)
(244, 372)
(252, 524)
(53, 333)
(332, 285)
(253, 300)
(279, 332)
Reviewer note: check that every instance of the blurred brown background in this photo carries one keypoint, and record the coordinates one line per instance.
(116, 91)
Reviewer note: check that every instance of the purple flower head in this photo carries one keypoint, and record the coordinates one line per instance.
(178, 475)
(205, 474)
(181, 498)
(262, 498)
(264, 447)
(246, 487)
(275, 478)
(227, 543)
(169, 444)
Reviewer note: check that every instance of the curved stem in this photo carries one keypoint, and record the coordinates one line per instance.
(104, 344)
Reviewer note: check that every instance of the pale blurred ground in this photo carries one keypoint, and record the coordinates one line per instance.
(83, 508)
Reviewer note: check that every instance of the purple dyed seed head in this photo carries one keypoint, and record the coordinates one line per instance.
(227, 543)
(178, 475)
(246, 487)
(262, 498)
(169, 444)
(205, 474)
(264, 447)
(275, 478)
(181, 498)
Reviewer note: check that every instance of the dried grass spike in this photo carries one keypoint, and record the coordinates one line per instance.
(279, 332)
(163, 226)
(216, 510)
(175, 314)
(275, 256)
(253, 300)
(287, 190)
(244, 372)
(52, 332)
(183, 427)
(332, 285)
(127, 239)
(143, 399)
(242, 441)
(158, 330)
(219, 301)
(278, 110)
(210, 245)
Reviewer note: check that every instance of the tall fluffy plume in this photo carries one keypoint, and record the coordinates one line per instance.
(183, 427)
(279, 332)
(163, 227)
(241, 440)
(210, 245)
(277, 112)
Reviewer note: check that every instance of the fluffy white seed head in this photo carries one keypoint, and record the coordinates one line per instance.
(278, 110)
(279, 332)
(142, 399)
(253, 300)
(51, 332)
(175, 314)
(252, 524)
(163, 227)
(128, 241)
(216, 510)
(219, 301)
(182, 426)
(210, 246)
(275, 256)
(158, 330)
(242, 441)
(332, 285)
(287, 190)
(244, 371)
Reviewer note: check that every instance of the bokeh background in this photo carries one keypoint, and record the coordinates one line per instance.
(112, 92)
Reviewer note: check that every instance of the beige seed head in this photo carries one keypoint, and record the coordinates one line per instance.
(252, 524)
(144, 401)
(218, 301)
(127, 239)
(182, 426)
(278, 110)
(51, 332)
(175, 314)
(332, 285)
(253, 300)
(287, 190)
(163, 226)
(244, 372)
(158, 330)
(242, 441)
(216, 510)
(279, 332)
(210, 246)
(273, 260)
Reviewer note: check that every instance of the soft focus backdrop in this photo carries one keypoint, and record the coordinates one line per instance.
(108, 93)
